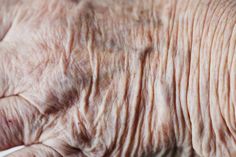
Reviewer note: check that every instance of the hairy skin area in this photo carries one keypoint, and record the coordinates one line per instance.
(118, 78)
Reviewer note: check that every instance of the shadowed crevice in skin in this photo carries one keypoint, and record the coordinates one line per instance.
(68, 98)
(138, 103)
(4, 33)
(62, 147)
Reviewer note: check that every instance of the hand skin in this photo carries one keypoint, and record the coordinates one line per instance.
(118, 78)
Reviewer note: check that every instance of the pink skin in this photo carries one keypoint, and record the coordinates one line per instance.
(118, 78)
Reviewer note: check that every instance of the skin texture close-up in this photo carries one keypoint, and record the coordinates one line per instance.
(118, 78)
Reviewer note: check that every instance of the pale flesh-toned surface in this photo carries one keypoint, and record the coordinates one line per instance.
(118, 78)
(10, 150)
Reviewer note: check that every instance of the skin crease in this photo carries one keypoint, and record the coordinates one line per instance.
(118, 78)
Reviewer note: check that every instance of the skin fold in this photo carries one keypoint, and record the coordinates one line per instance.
(125, 78)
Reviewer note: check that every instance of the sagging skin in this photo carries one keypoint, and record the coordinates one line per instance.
(118, 78)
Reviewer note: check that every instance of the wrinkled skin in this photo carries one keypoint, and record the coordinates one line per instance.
(118, 78)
